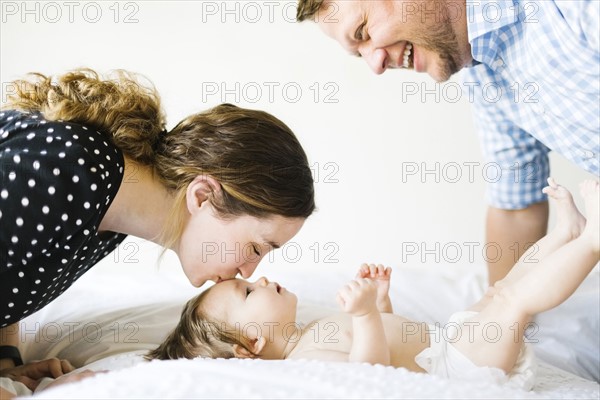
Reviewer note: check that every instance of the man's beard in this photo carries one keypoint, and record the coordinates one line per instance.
(441, 39)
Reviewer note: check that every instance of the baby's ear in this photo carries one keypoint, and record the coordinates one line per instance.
(256, 346)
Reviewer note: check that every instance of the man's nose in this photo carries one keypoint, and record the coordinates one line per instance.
(377, 59)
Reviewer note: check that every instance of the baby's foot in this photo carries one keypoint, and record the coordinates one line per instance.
(568, 218)
(589, 192)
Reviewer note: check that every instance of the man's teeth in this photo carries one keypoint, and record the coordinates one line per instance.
(407, 51)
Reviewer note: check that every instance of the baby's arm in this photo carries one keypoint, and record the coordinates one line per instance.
(369, 343)
(381, 275)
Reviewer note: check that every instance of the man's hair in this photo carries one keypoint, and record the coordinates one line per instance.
(307, 9)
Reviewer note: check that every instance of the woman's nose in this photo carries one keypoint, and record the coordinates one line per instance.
(247, 269)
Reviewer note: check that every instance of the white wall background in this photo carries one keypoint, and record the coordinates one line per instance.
(360, 131)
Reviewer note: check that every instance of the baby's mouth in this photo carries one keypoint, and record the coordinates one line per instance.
(408, 56)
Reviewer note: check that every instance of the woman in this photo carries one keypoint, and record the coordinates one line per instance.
(85, 161)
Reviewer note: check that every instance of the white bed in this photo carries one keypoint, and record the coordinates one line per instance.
(109, 318)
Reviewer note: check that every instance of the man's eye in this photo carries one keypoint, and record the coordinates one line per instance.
(360, 35)
(256, 251)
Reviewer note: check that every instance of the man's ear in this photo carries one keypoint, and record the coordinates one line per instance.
(200, 190)
(256, 345)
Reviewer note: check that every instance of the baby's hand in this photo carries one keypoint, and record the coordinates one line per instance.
(381, 275)
(358, 297)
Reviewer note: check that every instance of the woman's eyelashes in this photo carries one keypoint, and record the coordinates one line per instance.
(256, 250)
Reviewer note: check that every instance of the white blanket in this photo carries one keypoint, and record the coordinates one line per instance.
(107, 320)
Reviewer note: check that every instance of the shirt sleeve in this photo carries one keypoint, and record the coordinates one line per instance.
(590, 23)
(54, 186)
(516, 164)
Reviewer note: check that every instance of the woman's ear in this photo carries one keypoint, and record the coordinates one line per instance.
(199, 191)
(256, 346)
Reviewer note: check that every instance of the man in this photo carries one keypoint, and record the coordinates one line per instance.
(532, 73)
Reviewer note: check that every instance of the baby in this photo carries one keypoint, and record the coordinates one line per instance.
(236, 318)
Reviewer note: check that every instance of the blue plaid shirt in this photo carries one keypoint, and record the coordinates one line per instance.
(535, 86)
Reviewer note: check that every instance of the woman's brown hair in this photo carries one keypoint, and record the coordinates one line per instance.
(256, 158)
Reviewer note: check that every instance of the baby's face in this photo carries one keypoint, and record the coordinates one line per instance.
(254, 308)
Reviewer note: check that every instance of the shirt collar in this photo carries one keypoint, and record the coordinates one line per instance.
(484, 21)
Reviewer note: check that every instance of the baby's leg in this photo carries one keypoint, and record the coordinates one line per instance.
(569, 225)
(539, 289)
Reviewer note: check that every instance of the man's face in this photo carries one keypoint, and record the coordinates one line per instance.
(420, 35)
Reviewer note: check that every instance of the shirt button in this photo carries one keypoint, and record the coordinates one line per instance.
(587, 153)
(538, 108)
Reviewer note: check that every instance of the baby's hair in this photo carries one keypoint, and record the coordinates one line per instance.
(198, 334)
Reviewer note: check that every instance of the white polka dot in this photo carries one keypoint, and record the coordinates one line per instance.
(14, 239)
(51, 190)
(93, 169)
(50, 130)
(108, 157)
(19, 221)
(36, 165)
(78, 222)
(15, 290)
(4, 193)
(45, 209)
(64, 217)
(81, 161)
(49, 139)
(17, 159)
(31, 183)
(68, 144)
(75, 178)
(34, 242)
(96, 151)
(11, 305)
(70, 197)
(21, 274)
(41, 269)
(61, 154)
(24, 201)
(12, 175)
(56, 171)
(86, 205)
(40, 227)
(93, 186)
(68, 126)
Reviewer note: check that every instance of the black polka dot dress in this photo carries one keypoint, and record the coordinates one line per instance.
(57, 180)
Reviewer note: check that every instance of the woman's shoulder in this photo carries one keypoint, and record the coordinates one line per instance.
(55, 162)
(31, 140)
